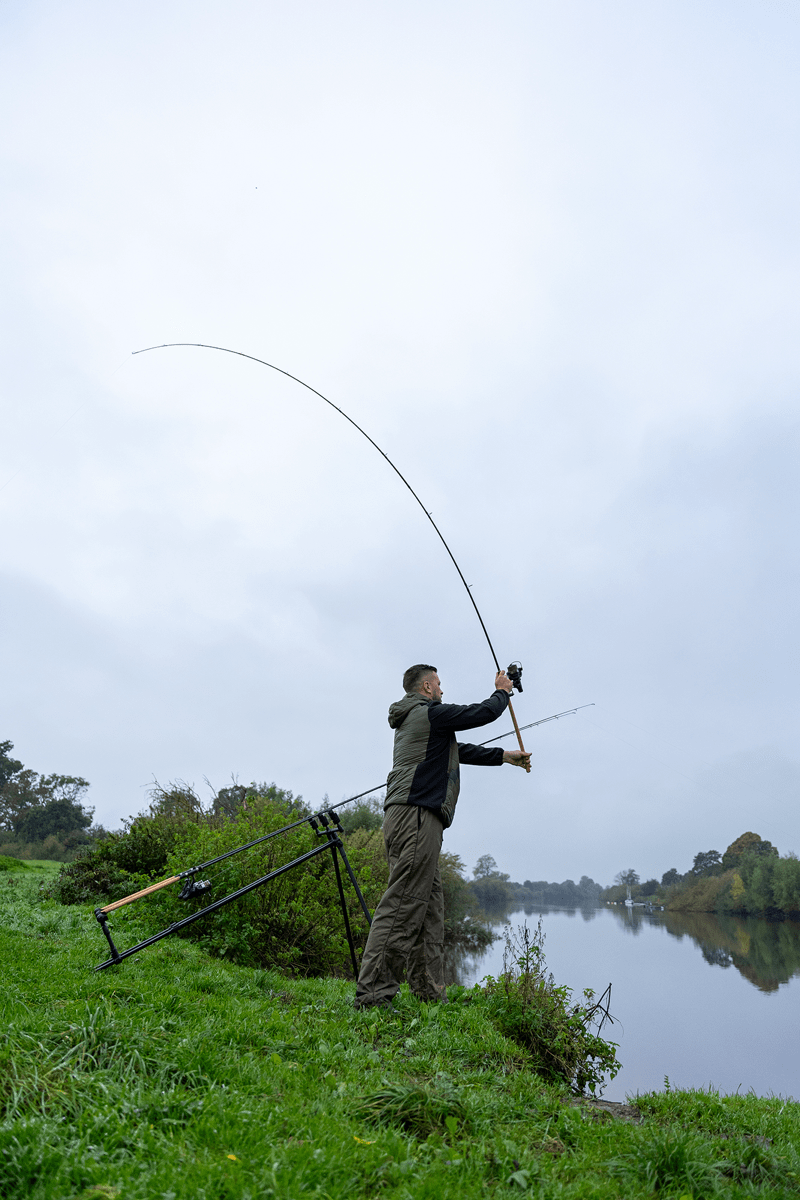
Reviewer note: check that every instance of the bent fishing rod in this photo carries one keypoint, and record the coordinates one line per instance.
(191, 889)
(514, 671)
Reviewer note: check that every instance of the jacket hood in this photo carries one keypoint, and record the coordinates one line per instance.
(401, 708)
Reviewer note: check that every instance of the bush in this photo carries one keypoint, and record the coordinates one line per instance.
(12, 864)
(563, 1039)
(703, 896)
(95, 879)
(55, 847)
(124, 862)
(362, 814)
(294, 922)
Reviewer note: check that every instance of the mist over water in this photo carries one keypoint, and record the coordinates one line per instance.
(706, 1001)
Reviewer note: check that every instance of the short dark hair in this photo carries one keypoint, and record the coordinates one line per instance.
(414, 676)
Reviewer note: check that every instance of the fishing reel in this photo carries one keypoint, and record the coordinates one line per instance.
(194, 887)
(514, 673)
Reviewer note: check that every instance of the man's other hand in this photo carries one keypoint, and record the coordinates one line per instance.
(518, 758)
(502, 683)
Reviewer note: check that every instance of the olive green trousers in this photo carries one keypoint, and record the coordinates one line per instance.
(407, 933)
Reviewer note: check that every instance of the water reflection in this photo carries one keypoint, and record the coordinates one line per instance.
(766, 953)
(462, 964)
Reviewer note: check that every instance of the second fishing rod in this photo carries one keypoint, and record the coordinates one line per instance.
(326, 817)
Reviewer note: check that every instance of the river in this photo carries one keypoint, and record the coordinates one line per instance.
(706, 1001)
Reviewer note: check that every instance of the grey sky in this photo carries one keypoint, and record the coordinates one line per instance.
(547, 255)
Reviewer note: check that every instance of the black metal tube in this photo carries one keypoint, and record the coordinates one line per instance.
(335, 846)
(103, 919)
(354, 882)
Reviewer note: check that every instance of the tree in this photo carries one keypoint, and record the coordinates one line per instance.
(627, 878)
(489, 886)
(17, 787)
(365, 814)
(747, 843)
(707, 862)
(228, 800)
(670, 877)
(58, 817)
(589, 890)
(23, 792)
(485, 867)
(649, 887)
(9, 767)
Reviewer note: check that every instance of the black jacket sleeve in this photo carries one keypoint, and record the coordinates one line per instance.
(480, 756)
(452, 717)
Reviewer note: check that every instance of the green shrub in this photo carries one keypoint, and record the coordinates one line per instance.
(124, 862)
(563, 1039)
(94, 879)
(12, 864)
(362, 814)
(294, 922)
(703, 896)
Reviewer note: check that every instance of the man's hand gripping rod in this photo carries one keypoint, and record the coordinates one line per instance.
(514, 673)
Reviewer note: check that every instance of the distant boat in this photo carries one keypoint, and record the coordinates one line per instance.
(629, 902)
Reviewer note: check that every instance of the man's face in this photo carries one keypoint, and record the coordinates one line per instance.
(432, 688)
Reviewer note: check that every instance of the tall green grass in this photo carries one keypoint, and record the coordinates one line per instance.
(177, 1075)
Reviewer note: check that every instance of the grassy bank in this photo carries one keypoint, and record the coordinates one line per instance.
(177, 1075)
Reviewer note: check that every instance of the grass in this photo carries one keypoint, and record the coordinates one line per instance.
(179, 1076)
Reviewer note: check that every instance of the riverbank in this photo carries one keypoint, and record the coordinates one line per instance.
(177, 1075)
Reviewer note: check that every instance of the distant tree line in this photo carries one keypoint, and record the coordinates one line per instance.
(495, 891)
(750, 877)
(42, 816)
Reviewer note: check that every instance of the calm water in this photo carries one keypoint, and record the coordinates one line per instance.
(704, 1000)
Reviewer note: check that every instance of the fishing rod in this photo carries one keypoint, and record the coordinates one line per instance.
(332, 830)
(568, 712)
(514, 671)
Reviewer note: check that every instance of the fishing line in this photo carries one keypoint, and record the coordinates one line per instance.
(280, 370)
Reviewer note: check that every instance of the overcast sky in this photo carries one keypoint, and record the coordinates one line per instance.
(547, 255)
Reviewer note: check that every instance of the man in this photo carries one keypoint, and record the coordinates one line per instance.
(407, 932)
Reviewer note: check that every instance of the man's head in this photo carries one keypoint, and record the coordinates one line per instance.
(423, 678)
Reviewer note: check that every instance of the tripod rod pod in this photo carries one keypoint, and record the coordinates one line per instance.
(332, 840)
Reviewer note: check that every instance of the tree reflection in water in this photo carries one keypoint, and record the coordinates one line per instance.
(461, 964)
(766, 953)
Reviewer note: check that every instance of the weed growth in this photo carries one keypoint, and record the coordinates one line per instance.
(671, 1160)
(417, 1109)
(528, 1006)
